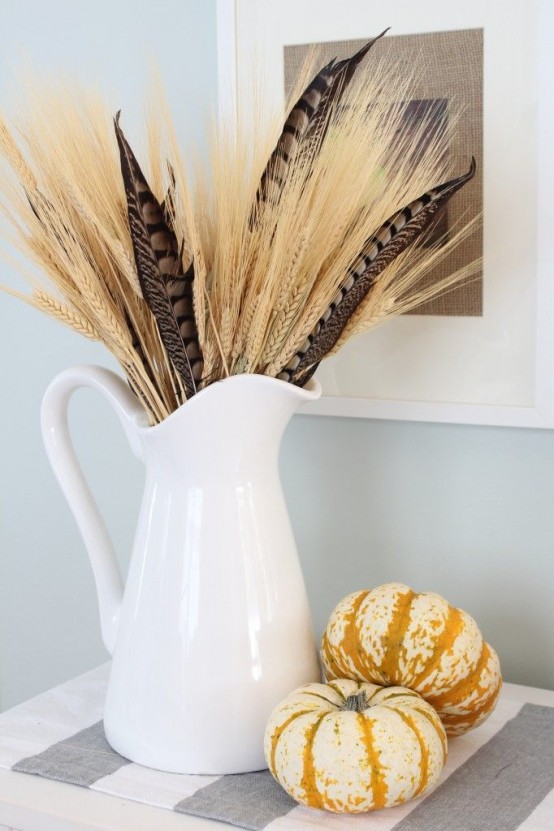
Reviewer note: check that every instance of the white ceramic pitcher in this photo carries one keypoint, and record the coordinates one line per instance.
(213, 627)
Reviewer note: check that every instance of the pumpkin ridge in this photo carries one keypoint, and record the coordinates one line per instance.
(445, 642)
(279, 732)
(379, 787)
(431, 720)
(407, 692)
(462, 687)
(332, 665)
(395, 633)
(374, 693)
(338, 692)
(308, 782)
(424, 775)
(322, 697)
(351, 642)
(454, 719)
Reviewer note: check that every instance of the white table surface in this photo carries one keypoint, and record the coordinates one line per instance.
(30, 803)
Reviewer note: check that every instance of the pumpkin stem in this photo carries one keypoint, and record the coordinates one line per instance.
(357, 703)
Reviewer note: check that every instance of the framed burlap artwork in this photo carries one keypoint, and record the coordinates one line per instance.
(483, 354)
(450, 76)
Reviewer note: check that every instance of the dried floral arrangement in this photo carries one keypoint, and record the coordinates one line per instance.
(296, 238)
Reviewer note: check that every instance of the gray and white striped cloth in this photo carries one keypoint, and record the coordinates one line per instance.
(500, 777)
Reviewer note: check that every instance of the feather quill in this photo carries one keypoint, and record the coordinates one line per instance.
(157, 258)
(391, 239)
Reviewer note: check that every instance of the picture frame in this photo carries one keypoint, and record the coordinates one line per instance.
(497, 369)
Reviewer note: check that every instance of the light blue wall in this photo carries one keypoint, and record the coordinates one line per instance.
(465, 511)
(48, 620)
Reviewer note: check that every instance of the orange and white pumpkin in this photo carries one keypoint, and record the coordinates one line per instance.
(351, 747)
(392, 635)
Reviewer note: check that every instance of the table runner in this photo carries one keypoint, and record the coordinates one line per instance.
(500, 777)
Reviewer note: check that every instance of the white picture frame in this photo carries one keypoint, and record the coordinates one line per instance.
(494, 370)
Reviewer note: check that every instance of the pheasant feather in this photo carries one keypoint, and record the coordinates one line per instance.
(309, 119)
(180, 291)
(294, 129)
(156, 255)
(391, 239)
(343, 73)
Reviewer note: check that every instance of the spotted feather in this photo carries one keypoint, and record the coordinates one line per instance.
(294, 129)
(379, 251)
(344, 72)
(309, 119)
(180, 291)
(157, 258)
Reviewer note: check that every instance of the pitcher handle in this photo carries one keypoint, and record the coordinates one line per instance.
(59, 447)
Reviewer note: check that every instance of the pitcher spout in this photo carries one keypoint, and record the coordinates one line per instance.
(248, 392)
(229, 419)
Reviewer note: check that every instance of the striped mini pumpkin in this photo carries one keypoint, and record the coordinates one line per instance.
(392, 635)
(350, 747)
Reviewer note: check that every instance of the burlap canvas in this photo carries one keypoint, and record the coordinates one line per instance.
(451, 74)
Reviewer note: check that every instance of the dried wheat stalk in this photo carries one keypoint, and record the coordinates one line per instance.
(252, 264)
